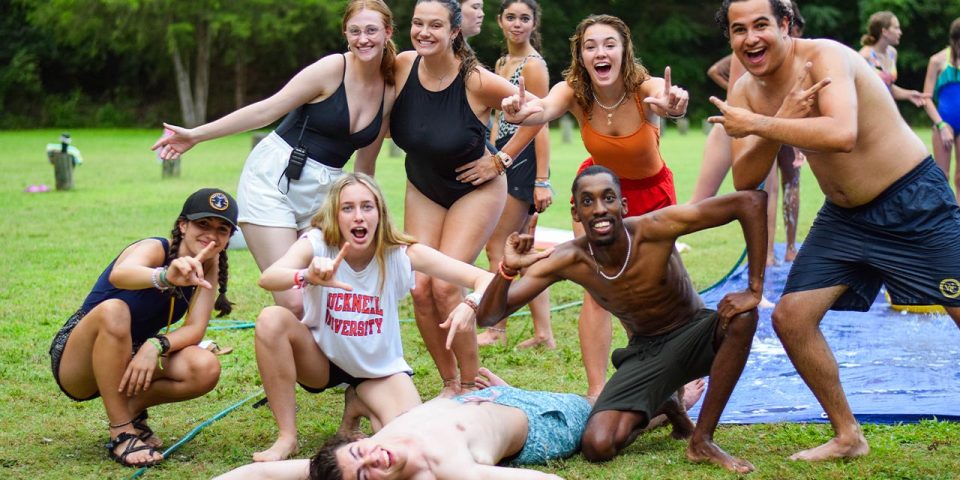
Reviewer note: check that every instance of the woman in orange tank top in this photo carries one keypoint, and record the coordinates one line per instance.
(618, 106)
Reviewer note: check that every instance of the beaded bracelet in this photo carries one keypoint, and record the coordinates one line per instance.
(506, 274)
(473, 301)
(159, 279)
(163, 279)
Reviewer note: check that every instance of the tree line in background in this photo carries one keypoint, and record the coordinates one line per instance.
(73, 63)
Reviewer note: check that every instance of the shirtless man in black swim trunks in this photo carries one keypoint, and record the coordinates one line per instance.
(889, 218)
(633, 270)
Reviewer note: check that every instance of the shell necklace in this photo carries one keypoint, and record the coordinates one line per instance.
(625, 262)
(610, 110)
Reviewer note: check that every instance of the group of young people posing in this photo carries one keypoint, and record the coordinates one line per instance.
(339, 267)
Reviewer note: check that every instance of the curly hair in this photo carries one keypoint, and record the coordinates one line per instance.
(781, 10)
(576, 75)
(389, 48)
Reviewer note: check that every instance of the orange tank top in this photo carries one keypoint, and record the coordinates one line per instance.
(633, 156)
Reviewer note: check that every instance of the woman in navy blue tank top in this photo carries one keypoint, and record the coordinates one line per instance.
(115, 346)
(334, 107)
(454, 191)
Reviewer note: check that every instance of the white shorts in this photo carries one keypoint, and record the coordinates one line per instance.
(259, 196)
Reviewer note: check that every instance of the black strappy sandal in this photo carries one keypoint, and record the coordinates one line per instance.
(131, 447)
(140, 423)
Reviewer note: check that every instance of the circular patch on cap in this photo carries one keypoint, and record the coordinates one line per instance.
(219, 201)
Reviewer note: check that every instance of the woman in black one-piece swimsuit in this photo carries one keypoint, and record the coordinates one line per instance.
(454, 192)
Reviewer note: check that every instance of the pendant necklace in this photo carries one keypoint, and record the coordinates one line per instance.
(625, 262)
(610, 110)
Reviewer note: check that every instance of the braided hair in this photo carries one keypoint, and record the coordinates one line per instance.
(222, 304)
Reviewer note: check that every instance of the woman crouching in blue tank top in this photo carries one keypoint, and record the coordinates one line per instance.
(456, 189)
(119, 346)
(333, 108)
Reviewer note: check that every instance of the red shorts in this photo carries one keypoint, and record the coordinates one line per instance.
(646, 194)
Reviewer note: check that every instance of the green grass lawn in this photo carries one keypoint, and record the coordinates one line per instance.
(56, 244)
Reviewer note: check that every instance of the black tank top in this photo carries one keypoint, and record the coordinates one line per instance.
(437, 130)
(327, 136)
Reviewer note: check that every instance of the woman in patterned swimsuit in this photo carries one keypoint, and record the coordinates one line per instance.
(528, 178)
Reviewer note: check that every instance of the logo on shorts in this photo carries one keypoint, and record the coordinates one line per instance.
(950, 288)
(219, 201)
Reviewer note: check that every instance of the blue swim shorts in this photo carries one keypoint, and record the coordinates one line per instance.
(555, 421)
(908, 238)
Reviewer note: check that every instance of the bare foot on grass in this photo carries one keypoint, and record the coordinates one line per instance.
(835, 448)
(707, 451)
(490, 336)
(549, 343)
(353, 411)
(282, 449)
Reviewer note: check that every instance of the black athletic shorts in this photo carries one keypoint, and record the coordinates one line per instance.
(651, 369)
(907, 238)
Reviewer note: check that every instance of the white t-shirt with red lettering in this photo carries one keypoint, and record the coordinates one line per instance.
(359, 330)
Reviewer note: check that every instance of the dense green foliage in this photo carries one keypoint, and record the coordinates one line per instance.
(72, 63)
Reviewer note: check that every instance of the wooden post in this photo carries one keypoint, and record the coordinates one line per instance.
(171, 168)
(566, 128)
(62, 169)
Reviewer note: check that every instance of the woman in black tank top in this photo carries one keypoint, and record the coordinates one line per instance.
(339, 103)
(454, 193)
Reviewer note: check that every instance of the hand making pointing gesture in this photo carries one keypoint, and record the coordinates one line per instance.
(323, 271)
(671, 102)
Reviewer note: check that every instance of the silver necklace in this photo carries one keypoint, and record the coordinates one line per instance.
(610, 110)
(625, 262)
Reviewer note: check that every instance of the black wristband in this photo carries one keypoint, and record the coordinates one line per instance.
(164, 344)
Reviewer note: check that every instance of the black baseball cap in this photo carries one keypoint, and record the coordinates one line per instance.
(210, 202)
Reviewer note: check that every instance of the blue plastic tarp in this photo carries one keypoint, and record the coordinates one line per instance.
(894, 367)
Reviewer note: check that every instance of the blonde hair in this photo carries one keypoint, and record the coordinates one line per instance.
(389, 48)
(632, 71)
(386, 236)
(875, 25)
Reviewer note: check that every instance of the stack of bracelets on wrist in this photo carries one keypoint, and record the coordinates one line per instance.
(473, 301)
(506, 273)
(162, 345)
(159, 279)
(498, 164)
(542, 182)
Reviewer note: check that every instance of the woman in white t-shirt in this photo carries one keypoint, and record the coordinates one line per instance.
(354, 268)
